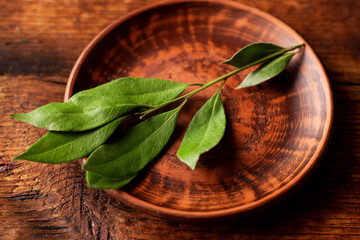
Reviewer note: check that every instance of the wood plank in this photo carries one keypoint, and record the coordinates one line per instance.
(39, 43)
(45, 38)
(52, 200)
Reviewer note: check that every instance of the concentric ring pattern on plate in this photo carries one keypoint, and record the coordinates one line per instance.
(276, 132)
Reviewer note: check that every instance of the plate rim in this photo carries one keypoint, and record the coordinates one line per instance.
(219, 214)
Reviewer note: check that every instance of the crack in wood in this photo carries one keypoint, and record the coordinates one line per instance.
(6, 165)
(32, 194)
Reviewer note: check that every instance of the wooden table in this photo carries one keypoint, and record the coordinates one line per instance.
(39, 43)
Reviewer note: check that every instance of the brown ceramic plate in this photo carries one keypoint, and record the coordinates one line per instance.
(276, 132)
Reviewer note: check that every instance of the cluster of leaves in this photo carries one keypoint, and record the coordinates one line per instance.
(82, 126)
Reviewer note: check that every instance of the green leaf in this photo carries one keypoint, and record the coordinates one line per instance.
(204, 132)
(61, 147)
(94, 107)
(100, 182)
(252, 53)
(133, 150)
(266, 71)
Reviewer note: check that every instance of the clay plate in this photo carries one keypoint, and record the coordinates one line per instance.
(276, 132)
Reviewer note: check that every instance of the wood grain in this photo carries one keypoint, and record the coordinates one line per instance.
(39, 43)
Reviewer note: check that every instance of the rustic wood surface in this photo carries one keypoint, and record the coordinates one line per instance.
(39, 43)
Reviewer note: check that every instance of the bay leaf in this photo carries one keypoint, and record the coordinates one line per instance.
(94, 180)
(253, 54)
(134, 149)
(92, 108)
(266, 71)
(62, 147)
(204, 132)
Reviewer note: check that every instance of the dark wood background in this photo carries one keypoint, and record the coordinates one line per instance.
(39, 43)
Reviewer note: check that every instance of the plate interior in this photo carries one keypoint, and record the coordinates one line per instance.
(275, 131)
